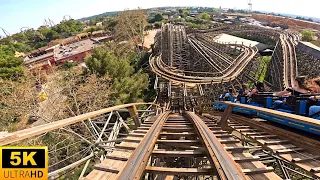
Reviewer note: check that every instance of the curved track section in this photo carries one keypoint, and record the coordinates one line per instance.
(223, 67)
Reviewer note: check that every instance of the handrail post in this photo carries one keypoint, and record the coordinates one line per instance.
(225, 116)
(134, 114)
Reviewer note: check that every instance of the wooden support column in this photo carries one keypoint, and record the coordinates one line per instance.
(224, 118)
(134, 114)
(201, 109)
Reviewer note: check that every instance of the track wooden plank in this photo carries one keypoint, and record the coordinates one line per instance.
(179, 171)
(186, 153)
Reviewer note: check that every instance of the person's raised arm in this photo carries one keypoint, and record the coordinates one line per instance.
(282, 93)
(314, 98)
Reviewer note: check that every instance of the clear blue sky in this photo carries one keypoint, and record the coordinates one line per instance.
(15, 14)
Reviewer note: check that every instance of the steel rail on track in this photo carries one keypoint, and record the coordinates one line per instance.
(226, 167)
(138, 160)
(218, 154)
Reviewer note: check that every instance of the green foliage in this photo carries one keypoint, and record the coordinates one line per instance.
(92, 29)
(158, 17)
(69, 64)
(149, 27)
(10, 66)
(186, 12)
(261, 72)
(127, 84)
(307, 35)
(205, 16)
(157, 25)
(195, 20)
(110, 25)
(68, 28)
(130, 88)
(33, 39)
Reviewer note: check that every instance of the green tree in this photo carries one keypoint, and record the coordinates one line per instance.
(186, 12)
(90, 29)
(158, 17)
(10, 66)
(307, 35)
(111, 24)
(205, 16)
(68, 28)
(127, 84)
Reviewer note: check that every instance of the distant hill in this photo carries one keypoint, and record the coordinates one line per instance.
(315, 19)
(113, 13)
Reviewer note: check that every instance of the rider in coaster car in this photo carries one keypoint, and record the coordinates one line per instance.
(228, 94)
(243, 91)
(314, 85)
(259, 87)
(297, 89)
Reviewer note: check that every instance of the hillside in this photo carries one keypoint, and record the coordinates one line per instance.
(292, 23)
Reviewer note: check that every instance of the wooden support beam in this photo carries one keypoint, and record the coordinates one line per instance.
(312, 158)
(180, 129)
(253, 133)
(315, 169)
(264, 136)
(105, 169)
(286, 151)
(136, 135)
(228, 141)
(131, 140)
(240, 126)
(241, 148)
(134, 114)
(214, 128)
(126, 127)
(178, 142)
(182, 134)
(246, 159)
(257, 170)
(187, 153)
(116, 158)
(169, 177)
(246, 130)
(179, 171)
(223, 135)
(146, 125)
(178, 125)
(143, 128)
(276, 142)
(219, 132)
(223, 123)
(124, 147)
(140, 131)
(236, 149)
